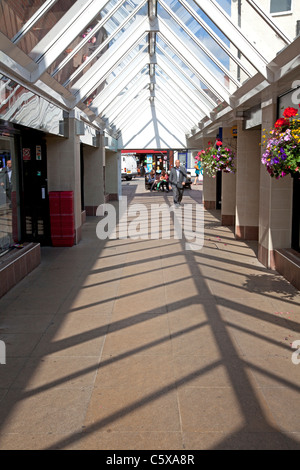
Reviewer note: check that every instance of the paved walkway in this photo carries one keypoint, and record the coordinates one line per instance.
(141, 344)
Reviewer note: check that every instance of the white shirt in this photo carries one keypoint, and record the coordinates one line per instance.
(9, 171)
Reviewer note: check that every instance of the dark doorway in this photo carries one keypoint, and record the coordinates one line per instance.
(219, 190)
(296, 214)
(34, 200)
(82, 176)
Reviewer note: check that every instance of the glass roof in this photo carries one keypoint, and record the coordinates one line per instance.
(111, 58)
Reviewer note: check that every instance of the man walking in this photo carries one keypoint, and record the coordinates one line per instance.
(177, 181)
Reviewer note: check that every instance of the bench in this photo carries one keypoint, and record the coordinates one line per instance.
(188, 183)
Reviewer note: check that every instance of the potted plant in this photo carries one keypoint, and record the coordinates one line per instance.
(282, 150)
(218, 158)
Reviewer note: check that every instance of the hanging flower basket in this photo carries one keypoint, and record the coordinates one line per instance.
(218, 158)
(282, 153)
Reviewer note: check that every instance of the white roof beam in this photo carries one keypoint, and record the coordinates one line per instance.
(118, 117)
(76, 49)
(121, 121)
(21, 75)
(120, 82)
(122, 101)
(193, 96)
(200, 44)
(216, 13)
(132, 110)
(33, 20)
(64, 32)
(177, 105)
(181, 112)
(215, 37)
(109, 61)
(207, 102)
(191, 60)
(104, 43)
(174, 123)
(140, 111)
(185, 103)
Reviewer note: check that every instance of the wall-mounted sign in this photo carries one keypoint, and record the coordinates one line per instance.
(26, 154)
(38, 152)
(234, 131)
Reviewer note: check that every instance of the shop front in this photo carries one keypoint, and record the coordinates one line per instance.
(10, 226)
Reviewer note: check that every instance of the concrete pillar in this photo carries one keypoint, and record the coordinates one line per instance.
(228, 184)
(209, 192)
(275, 206)
(247, 183)
(228, 199)
(209, 182)
(63, 167)
(113, 187)
(93, 179)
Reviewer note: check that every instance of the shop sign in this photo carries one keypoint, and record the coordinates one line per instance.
(26, 154)
(234, 131)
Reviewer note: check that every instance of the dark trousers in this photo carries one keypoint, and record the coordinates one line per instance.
(177, 194)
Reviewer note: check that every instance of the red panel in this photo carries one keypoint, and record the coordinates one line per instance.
(54, 202)
(67, 225)
(66, 202)
(55, 224)
(62, 218)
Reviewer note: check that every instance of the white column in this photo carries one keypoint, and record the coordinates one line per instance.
(93, 178)
(247, 183)
(113, 187)
(63, 167)
(275, 207)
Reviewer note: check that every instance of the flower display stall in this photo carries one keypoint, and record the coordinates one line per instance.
(282, 150)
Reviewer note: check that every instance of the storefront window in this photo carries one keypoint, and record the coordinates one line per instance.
(8, 194)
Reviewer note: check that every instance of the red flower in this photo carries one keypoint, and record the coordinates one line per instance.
(219, 143)
(290, 112)
(282, 122)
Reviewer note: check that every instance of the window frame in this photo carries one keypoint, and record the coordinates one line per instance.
(283, 12)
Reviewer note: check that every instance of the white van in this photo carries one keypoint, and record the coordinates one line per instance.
(129, 166)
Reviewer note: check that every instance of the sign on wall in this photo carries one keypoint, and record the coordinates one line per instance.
(26, 154)
(38, 152)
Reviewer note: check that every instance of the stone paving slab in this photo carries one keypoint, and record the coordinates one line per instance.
(127, 344)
